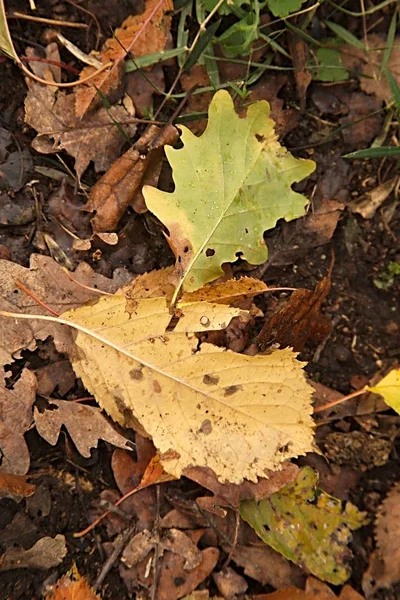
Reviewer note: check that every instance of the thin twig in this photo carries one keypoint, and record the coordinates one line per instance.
(340, 400)
(18, 15)
(35, 298)
(119, 546)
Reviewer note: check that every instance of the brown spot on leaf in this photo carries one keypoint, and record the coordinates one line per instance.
(210, 252)
(156, 387)
(260, 138)
(136, 374)
(210, 379)
(206, 427)
(232, 389)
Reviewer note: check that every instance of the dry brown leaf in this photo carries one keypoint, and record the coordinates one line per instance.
(15, 419)
(121, 186)
(229, 494)
(369, 63)
(230, 583)
(51, 113)
(300, 320)
(14, 485)
(302, 75)
(72, 586)
(384, 566)
(139, 34)
(141, 87)
(197, 76)
(368, 203)
(193, 402)
(315, 590)
(228, 292)
(85, 424)
(46, 553)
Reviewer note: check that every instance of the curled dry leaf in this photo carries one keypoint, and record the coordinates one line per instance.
(97, 137)
(384, 565)
(46, 553)
(85, 424)
(72, 586)
(199, 403)
(222, 187)
(368, 203)
(120, 187)
(300, 320)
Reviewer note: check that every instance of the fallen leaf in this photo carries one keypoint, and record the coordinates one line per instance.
(228, 292)
(368, 203)
(85, 424)
(315, 590)
(389, 389)
(15, 419)
(223, 188)
(196, 77)
(51, 113)
(14, 485)
(230, 583)
(299, 321)
(368, 63)
(175, 582)
(139, 34)
(363, 121)
(72, 586)
(136, 367)
(299, 53)
(384, 565)
(120, 187)
(57, 375)
(141, 88)
(307, 526)
(229, 494)
(265, 565)
(46, 553)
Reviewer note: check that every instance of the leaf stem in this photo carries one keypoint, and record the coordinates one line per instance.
(340, 400)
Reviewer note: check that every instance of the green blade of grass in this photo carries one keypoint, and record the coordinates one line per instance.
(389, 41)
(6, 44)
(394, 86)
(345, 35)
(383, 151)
(201, 45)
(152, 59)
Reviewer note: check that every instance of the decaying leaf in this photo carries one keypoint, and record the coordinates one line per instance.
(368, 203)
(14, 485)
(120, 186)
(307, 526)
(139, 34)
(315, 590)
(72, 586)
(384, 565)
(85, 424)
(228, 292)
(15, 419)
(299, 320)
(226, 195)
(199, 403)
(46, 553)
(389, 388)
(369, 62)
(97, 137)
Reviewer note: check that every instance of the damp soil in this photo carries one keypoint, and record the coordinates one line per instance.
(365, 338)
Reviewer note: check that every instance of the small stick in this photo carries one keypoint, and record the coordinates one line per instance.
(119, 547)
(340, 400)
(18, 15)
(85, 287)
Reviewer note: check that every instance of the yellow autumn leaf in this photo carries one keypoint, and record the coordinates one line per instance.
(389, 388)
(201, 404)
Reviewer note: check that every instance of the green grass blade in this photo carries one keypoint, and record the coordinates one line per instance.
(201, 45)
(345, 35)
(382, 152)
(389, 41)
(152, 59)
(394, 86)
(6, 44)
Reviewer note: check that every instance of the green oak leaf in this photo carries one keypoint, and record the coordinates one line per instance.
(307, 526)
(231, 184)
(283, 8)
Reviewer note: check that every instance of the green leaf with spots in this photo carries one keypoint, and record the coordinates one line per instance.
(231, 184)
(307, 526)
